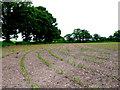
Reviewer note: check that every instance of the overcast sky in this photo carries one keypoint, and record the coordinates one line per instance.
(96, 16)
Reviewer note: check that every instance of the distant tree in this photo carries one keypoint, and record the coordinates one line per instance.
(96, 37)
(117, 35)
(85, 36)
(111, 38)
(69, 38)
(60, 40)
(103, 39)
(81, 35)
(77, 34)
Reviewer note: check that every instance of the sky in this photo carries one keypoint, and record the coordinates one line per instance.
(96, 16)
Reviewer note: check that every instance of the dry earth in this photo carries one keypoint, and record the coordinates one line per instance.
(60, 66)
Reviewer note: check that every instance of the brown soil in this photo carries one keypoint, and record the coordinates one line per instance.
(62, 74)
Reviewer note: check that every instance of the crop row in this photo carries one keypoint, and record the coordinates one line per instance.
(81, 65)
(60, 71)
(89, 59)
(25, 72)
(97, 48)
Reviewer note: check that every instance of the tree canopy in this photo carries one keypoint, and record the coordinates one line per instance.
(35, 23)
(80, 35)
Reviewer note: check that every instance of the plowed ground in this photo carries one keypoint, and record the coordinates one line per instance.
(60, 66)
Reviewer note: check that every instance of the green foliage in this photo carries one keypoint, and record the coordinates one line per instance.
(25, 73)
(83, 66)
(46, 62)
(36, 22)
(78, 80)
(117, 35)
(109, 75)
(96, 37)
(15, 43)
(65, 53)
(73, 63)
(50, 52)
(116, 76)
(81, 35)
(66, 75)
(69, 50)
(59, 71)
(60, 40)
(116, 66)
(7, 44)
(67, 61)
(34, 85)
(23, 43)
(69, 38)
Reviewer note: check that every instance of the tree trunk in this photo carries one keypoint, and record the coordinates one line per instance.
(7, 38)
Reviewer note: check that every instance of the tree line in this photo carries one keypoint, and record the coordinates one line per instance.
(38, 25)
(80, 35)
(34, 23)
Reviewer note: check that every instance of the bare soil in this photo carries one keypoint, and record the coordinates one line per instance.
(72, 66)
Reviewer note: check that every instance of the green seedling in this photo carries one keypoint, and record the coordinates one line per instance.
(46, 62)
(73, 63)
(66, 75)
(97, 56)
(106, 57)
(115, 76)
(52, 54)
(100, 57)
(85, 59)
(100, 62)
(94, 70)
(109, 75)
(84, 54)
(68, 49)
(6, 55)
(67, 54)
(83, 48)
(34, 85)
(78, 80)
(94, 61)
(83, 66)
(116, 66)
(74, 56)
(63, 52)
(59, 71)
(89, 59)
(25, 73)
(67, 61)
(29, 79)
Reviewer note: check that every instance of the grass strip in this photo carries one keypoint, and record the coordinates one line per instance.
(65, 53)
(52, 54)
(11, 54)
(69, 50)
(43, 60)
(25, 72)
(95, 56)
(6, 55)
(73, 63)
